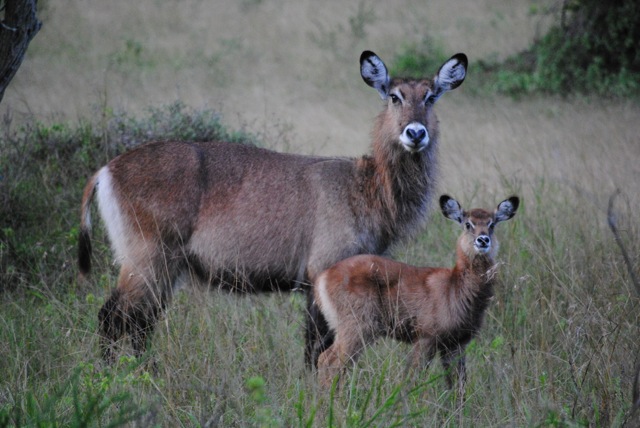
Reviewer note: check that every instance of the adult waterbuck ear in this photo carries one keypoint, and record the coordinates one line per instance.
(374, 73)
(451, 75)
(451, 208)
(507, 209)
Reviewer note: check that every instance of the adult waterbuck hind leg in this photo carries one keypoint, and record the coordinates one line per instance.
(252, 219)
(148, 246)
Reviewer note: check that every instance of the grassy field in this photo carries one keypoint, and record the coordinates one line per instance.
(561, 342)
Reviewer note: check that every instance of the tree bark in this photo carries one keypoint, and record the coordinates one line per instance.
(19, 26)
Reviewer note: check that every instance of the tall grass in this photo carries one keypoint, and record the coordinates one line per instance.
(559, 347)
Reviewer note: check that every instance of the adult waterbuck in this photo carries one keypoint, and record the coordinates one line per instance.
(251, 219)
(366, 297)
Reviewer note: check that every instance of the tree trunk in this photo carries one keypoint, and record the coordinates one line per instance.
(20, 25)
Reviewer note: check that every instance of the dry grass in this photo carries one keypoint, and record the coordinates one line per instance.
(560, 342)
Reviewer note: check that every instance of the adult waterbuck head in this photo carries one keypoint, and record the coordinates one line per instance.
(250, 219)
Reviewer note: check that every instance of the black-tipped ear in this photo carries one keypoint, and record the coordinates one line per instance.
(462, 66)
(451, 209)
(507, 208)
(451, 74)
(374, 73)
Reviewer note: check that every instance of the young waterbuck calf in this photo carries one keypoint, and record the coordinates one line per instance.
(251, 219)
(366, 297)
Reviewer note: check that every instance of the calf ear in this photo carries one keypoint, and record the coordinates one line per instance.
(451, 74)
(374, 73)
(507, 208)
(451, 208)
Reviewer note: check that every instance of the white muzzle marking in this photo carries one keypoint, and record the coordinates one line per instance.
(414, 137)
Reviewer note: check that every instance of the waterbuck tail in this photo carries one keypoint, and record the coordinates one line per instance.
(84, 239)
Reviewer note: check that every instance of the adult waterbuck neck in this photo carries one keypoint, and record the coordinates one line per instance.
(250, 219)
(366, 297)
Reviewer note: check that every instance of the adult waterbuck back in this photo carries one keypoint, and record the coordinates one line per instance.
(251, 219)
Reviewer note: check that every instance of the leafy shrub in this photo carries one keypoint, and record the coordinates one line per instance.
(592, 50)
(420, 59)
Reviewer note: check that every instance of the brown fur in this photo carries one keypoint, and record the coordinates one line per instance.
(251, 219)
(436, 309)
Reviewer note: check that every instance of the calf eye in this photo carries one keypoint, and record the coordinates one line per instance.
(394, 98)
(468, 225)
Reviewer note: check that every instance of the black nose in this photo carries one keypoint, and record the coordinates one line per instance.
(416, 135)
(483, 241)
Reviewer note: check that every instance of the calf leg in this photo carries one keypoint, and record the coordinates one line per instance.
(318, 336)
(337, 358)
(422, 353)
(329, 366)
(454, 364)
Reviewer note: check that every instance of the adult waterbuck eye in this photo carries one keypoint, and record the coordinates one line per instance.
(468, 225)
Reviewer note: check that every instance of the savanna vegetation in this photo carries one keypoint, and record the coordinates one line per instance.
(560, 343)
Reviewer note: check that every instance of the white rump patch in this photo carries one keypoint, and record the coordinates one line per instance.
(326, 306)
(111, 213)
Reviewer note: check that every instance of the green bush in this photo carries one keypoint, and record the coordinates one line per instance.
(419, 59)
(592, 50)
